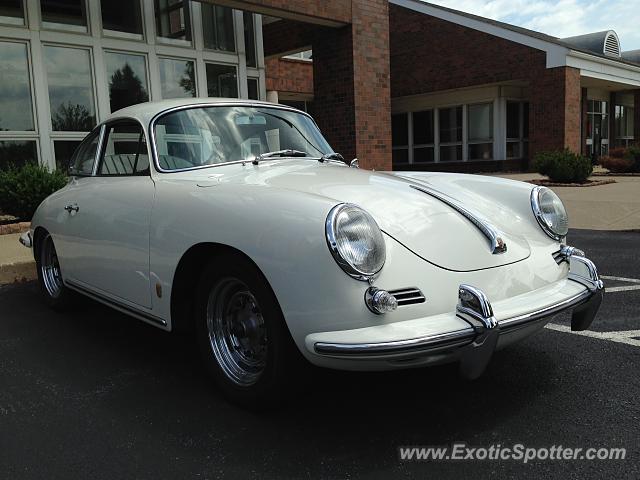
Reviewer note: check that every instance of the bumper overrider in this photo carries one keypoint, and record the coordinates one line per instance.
(473, 346)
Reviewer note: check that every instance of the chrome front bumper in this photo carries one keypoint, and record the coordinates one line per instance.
(474, 346)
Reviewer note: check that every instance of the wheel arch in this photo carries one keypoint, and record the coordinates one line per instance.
(188, 272)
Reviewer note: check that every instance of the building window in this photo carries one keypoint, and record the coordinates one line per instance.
(116, 23)
(12, 12)
(423, 137)
(400, 138)
(222, 81)
(173, 22)
(63, 151)
(253, 88)
(127, 76)
(450, 134)
(16, 153)
(250, 40)
(16, 112)
(70, 88)
(64, 15)
(177, 78)
(597, 128)
(217, 28)
(517, 130)
(480, 131)
(624, 125)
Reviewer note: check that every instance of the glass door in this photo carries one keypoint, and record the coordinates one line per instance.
(597, 128)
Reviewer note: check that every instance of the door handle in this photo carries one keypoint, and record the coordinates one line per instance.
(72, 208)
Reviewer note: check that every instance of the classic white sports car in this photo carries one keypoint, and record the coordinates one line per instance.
(236, 219)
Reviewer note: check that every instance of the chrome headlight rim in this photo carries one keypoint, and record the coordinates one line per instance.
(332, 243)
(540, 216)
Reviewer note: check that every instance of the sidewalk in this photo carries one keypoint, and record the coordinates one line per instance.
(16, 261)
(615, 206)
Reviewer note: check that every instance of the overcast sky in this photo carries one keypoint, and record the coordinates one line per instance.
(563, 18)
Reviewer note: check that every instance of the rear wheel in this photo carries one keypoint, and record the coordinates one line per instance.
(242, 334)
(49, 273)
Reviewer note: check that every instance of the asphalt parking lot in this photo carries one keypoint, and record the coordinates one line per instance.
(95, 394)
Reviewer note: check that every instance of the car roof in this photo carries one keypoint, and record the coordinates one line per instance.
(144, 112)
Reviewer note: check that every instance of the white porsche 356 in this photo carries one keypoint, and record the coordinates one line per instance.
(236, 218)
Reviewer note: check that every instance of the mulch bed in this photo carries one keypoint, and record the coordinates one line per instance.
(17, 227)
(588, 183)
(611, 174)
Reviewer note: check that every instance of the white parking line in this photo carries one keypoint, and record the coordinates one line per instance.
(618, 337)
(627, 288)
(620, 279)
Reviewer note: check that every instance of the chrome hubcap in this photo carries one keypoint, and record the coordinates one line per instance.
(50, 268)
(237, 332)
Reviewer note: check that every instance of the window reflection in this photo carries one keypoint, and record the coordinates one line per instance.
(122, 18)
(217, 28)
(17, 153)
(63, 151)
(222, 81)
(12, 12)
(70, 88)
(173, 23)
(250, 40)
(127, 76)
(253, 89)
(177, 78)
(15, 92)
(64, 14)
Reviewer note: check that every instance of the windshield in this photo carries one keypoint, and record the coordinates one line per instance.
(202, 136)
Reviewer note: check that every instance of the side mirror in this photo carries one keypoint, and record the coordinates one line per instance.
(354, 163)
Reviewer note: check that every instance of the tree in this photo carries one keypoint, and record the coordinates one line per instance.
(188, 80)
(125, 88)
(73, 118)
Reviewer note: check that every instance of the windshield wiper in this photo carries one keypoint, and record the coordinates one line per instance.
(331, 156)
(279, 153)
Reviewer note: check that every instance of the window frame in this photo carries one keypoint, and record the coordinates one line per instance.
(118, 34)
(176, 42)
(103, 145)
(109, 51)
(237, 74)
(25, 19)
(64, 27)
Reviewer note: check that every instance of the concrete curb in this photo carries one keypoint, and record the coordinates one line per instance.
(18, 272)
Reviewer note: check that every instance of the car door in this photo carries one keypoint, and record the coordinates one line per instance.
(107, 231)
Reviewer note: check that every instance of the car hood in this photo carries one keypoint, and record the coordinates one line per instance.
(428, 226)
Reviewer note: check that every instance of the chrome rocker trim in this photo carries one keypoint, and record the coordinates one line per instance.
(477, 344)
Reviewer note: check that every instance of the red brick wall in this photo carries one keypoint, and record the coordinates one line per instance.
(322, 11)
(555, 110)
(429, 54)
(287, 75)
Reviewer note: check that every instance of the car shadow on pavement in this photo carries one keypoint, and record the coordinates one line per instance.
(94, 368)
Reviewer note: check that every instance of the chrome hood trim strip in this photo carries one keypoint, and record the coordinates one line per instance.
(497, 243)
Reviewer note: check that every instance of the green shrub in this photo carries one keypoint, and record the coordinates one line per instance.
(633, 154)
(23, 189)
(563, 166)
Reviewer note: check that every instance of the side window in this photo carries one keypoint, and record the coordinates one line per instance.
(125, 150)
(81, 163)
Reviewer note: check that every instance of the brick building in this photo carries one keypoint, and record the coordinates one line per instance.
(396, 83)
(473, 94)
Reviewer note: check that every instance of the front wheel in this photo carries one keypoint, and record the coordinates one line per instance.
(242, 333)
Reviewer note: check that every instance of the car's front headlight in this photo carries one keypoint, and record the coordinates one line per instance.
(550, 212)
(356, 241)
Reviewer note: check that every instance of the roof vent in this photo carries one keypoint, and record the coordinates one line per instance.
(612, 45)
(601, 43)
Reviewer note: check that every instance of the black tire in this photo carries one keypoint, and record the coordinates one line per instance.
(54, 292)
(267, 383)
